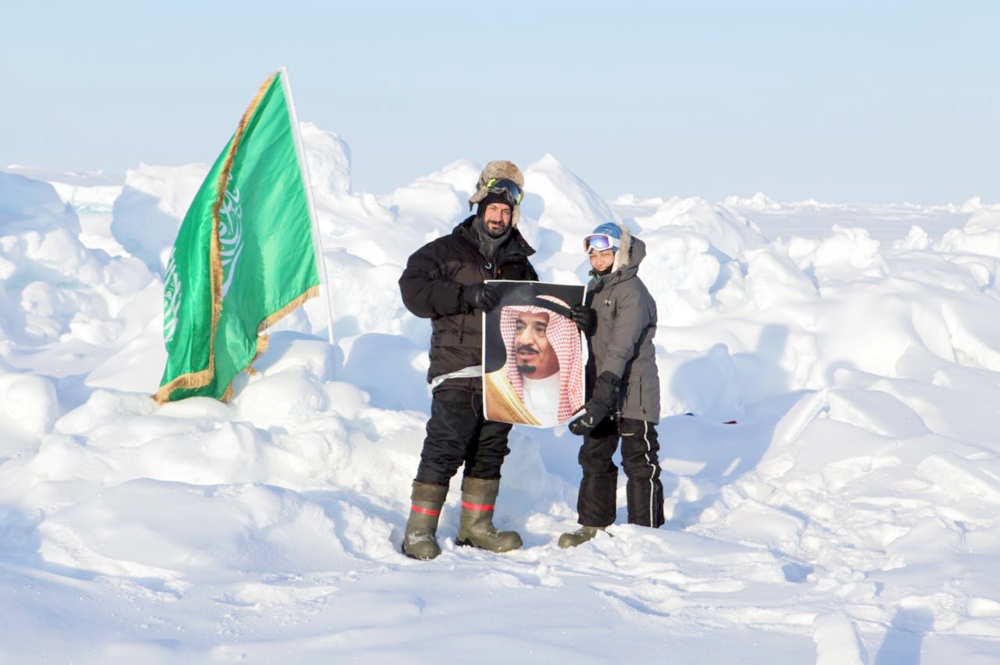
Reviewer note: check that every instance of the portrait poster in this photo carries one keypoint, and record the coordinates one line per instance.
(533, 354)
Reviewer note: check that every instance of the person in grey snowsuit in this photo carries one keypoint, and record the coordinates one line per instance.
(619, 320)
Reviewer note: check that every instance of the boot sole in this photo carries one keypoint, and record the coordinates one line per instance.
(469, 543)
(419, 558)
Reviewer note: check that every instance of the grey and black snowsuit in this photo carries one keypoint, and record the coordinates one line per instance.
(431, 287)
(622, 344)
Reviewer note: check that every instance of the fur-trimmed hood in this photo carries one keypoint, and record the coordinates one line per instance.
(499, 169)
(623, 257)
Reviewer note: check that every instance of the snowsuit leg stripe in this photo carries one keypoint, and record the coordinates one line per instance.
(652, 475)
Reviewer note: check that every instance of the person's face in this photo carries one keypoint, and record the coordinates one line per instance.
(601, 261)
(496, 218)
(535, 356)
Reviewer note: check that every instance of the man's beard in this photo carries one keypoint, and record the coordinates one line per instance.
(524, 368)
(488, 241)
(500, 233)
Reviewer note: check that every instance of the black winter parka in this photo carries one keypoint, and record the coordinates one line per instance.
(432, 283)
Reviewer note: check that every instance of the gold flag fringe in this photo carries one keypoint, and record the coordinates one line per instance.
(190, 380)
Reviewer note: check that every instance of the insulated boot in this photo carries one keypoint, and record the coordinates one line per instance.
(421, 527)
(578, 537)
(476, 526)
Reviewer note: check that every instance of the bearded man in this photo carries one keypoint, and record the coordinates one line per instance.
(444, 282)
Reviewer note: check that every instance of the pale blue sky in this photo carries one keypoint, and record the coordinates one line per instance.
(838, 101)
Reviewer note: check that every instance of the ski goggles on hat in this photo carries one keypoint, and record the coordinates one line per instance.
(598, 242)
(507, 189)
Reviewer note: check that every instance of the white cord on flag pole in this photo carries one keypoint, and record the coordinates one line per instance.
(304, 169)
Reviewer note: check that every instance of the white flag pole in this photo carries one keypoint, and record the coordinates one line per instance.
(304, 168)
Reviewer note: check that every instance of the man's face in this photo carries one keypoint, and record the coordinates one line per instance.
(535, 356)
(496, 218)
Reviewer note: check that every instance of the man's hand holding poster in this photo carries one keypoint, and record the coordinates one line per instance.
(533, 357)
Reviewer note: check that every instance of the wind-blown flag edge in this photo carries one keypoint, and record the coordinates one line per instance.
(201, 378)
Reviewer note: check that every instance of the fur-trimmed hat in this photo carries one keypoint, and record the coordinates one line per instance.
(499, 169)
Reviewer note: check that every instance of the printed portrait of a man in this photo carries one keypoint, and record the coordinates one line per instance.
(541, 380)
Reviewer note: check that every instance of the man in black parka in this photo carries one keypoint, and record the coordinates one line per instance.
(444, 281)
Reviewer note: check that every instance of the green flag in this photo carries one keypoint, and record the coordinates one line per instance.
(244, 255)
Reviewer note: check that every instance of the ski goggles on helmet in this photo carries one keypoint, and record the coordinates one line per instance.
(507, 189)
(599, 242)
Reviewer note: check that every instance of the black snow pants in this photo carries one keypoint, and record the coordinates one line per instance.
(457, 434)
(643, 490)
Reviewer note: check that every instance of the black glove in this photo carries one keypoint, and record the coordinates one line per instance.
(480, 296)
(585, 319)
(598, 406)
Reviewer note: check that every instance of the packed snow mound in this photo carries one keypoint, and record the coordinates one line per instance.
(759, 201)
(461, 174)
(86, 192)
(557, 199)
(848, 515)
(981, 235)
(148, 214)
(437, 198)
(726, 229)
(32, 205)
(55, 288)
(329, 160)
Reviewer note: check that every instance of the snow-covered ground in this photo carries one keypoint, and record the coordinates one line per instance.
(851, 516)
